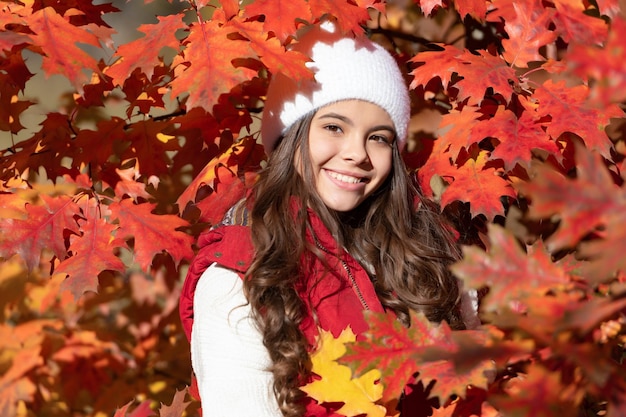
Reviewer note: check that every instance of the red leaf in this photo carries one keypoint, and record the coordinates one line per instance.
(449, 381)
(456, 129)
(570, 112)
(349, 16)
(44, 228)
(517, 137)
(476, 8)
(481, 186)
(271, 52)
(141, 53)
(230, 189)
(93, 252)
(209, 51)
(441, 64)
(281, 16)
(153, 233)
(14, 385)
(428, 6)
(574, 25)
(509, 272)
(58, 40)
(481, 72)
(528, 31)
(605, 65)
(395, 350)
(582, 205)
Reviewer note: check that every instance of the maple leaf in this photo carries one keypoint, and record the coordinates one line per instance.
(605, 65)
(177, 407)
(510, 273)
(141, 53)
(129, 185)
(396, 350)
(517, 137)
(358, 395)
(271, 52)
(583, 205)
(528, 31)
(428, 6)
(349, 15)
(476, 8)
(574, 25)
(482, 72)
(152, 233)
(556, 100)
(92, 253)
(209, 52)
(436, 64)
(481, 186)
(44, 228)
(58, 39)
(449, 381)
(283, 18)
(142, 410)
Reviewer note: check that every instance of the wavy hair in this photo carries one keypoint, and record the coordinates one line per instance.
(396, 234)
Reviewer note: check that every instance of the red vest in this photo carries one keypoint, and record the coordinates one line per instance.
(339, 297)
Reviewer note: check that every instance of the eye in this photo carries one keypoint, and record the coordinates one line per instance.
(382, 139)
(333, 128)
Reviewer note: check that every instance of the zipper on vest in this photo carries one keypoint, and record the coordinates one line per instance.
(355, 286)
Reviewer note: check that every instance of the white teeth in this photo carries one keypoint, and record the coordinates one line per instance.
(344, 178)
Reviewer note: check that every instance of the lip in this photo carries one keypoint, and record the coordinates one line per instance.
(346, 185)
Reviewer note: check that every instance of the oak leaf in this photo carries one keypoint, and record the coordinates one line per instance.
(45, 227)
(177, 407)
(478, 184)
(574, 25)
(527, 33)
(152, 233)
(141, 53)
(509, 272)
(281, 17)
(395, 350)
(92, 253)
(205, 70)
(58, 39)
(569, 111)
(336, 384)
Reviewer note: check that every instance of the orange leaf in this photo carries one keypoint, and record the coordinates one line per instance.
(58, 40)
(481, 186)
(92, 254)
(44, 228)
(573, 24)
(15, 386)
(349, 16)
(281, 16)
(141, 53)
(153, 233)
(206, 71)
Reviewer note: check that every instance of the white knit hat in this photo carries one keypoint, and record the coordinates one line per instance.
(345, 68)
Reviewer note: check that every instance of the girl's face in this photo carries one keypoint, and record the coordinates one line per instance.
(350, 147)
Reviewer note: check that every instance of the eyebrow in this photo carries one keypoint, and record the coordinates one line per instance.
(349, 121)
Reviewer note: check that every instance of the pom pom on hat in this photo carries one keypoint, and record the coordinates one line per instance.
(345, 68)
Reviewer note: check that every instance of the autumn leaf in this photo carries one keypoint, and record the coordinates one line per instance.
(92, 253)
(14, 386)
(440, 64)
(152, 233)
(209, 51)
(177, 407)
(281, 16)
(58, 40)
(556, 100)
(583, 205)
(509, 272)
(517, 137)
(450, 382)
(482, 72)
(141, 53)
(336, 384)
(44, 228)
(527, 33)
(480, 185)
(349, 15)
(574, 25)
(396, 350)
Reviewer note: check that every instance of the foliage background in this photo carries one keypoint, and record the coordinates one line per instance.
(120, 146)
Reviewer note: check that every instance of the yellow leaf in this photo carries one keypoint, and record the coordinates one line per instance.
(358, 395)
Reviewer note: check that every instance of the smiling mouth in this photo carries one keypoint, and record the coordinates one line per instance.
(346, 178)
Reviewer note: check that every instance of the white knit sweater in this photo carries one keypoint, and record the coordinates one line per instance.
(227, 352)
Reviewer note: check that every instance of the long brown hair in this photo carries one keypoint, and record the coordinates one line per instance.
(396, 233)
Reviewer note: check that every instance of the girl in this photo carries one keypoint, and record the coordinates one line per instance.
(333, 227)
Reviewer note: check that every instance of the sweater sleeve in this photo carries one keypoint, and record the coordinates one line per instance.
(227, 352)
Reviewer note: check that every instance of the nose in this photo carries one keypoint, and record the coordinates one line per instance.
(355, 149)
